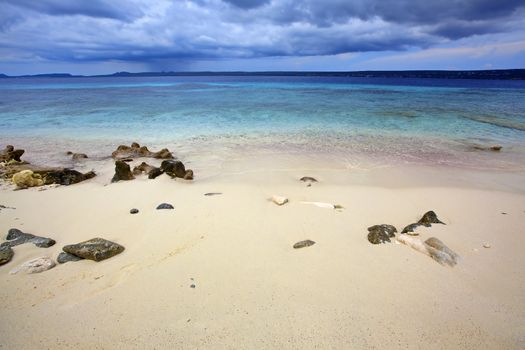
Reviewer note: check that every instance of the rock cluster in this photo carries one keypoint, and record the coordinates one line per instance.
(16, 237)
(176, 168)
(11, 154)
(136, 151)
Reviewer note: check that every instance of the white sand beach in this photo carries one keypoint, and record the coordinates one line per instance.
(252, 290)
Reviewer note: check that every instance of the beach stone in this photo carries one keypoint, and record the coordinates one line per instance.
(208, 194)
(96, 249)
(308, 179)
(381, 233)
(6, 254)
(165, 206)
(26, 179)
(486, 245)
(173, 168)
(188, 175)
(136, 151)
(11, 154)
(427, 220)
(279, 200)
(64, 257)
(440, 252)
(78, 156)
(16, 237)
(37, 265)
(154, 173)
(142, 168)
(66, 177)
(303, 244)
(134, 211)
(122, 172)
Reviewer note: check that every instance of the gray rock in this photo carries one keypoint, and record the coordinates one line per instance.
(64, 257)
(134, 211)
(35, 266)
(96, 249)
(165, 206)
(440, 252)
(16, 237)
(381, 233)
(6, 254)
(122, 172)
(303, 244)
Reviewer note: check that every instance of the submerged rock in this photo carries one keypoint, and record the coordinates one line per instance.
(26, 179)
(279, 200)
(64, 257)
(493, 148)
(16, 237)
(427, 220)
(96, 249)
(6, 254)
(78, 156)
(122, 172)
(303, 244)
(165, 206)
(35, 266)
(381, 233)
(136, 151)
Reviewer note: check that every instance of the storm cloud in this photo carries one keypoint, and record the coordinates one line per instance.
(162, 30)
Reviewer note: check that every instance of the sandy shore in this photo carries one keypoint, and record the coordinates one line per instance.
(252, 289)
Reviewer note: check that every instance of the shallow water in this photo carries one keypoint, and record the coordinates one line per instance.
(353, 120)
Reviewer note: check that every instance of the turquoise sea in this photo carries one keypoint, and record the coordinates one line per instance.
(396, 120)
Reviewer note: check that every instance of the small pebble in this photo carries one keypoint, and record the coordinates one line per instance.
(134, 211)
(503, 213)
(486, 245)
(165, 206)
(192, 286)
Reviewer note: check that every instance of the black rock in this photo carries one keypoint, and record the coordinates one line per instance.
(96, 249)
(6, 254)
(66, 177)
(308, 179)
(122, 172)
(303, 244)
(427, 220)
(134, 211)
(173, 168)
(165, 206)
(16, 237)
(154, 173)
(213, 194)
(381, 233)
(64, 257)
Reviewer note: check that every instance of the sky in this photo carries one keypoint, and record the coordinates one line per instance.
(106, 36)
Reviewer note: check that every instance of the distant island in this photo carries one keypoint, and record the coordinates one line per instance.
(494, 74)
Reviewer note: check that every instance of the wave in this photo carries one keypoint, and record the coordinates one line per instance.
(503, 123)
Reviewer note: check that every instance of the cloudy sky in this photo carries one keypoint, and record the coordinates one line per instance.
(104, 36)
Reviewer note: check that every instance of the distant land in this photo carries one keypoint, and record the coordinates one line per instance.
(495, 74)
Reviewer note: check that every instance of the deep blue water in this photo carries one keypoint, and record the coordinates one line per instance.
(173, 109)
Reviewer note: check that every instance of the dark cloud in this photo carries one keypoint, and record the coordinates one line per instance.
(92, 8)
(155, 31)
(247, 4)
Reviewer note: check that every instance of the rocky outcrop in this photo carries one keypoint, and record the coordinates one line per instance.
(6, 254)
(145, 168)
(381, 233)
(11, 154)
(16, 237)
(96, 249)
(136, 151)
(303, 244)
(176, 168)
(427, 220)
(66, 177)
(122, 172)
(35, 266)
(64, 257)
